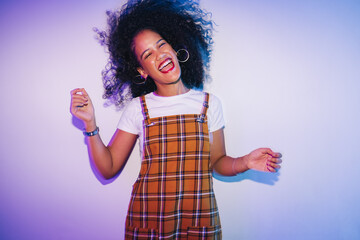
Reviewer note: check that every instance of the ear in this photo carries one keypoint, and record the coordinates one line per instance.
(142, 72)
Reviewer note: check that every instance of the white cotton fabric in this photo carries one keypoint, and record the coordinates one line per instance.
(190, 102)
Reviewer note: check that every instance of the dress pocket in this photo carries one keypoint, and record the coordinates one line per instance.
(134, 233)
(210, 232)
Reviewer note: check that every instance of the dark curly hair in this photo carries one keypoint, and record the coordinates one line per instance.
(180, 22)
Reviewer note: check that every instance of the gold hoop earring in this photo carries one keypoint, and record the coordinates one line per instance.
(185, 58)
(139, 80)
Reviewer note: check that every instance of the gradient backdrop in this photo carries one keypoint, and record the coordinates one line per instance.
(288, 75)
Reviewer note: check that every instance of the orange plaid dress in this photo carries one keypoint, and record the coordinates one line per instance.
(173, 196)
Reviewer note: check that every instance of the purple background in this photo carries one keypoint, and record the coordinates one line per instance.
(288, 76)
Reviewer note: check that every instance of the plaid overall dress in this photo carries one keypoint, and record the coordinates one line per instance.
(173, 196)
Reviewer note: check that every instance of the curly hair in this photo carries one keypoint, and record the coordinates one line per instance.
(180, 22)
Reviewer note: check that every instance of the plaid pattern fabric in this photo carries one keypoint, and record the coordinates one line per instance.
(173, 196)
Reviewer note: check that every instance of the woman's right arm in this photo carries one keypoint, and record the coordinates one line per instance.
(108, 159)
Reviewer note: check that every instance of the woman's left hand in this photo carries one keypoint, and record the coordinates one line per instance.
(263, 159)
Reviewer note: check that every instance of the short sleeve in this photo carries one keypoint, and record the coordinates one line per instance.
(215, 114)
(131, 118)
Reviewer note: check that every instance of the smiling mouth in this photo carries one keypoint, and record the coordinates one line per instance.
(166, 66)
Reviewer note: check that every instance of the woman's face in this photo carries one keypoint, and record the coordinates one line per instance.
(156, 57)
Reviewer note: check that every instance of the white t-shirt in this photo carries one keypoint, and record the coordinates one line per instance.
(190, 102)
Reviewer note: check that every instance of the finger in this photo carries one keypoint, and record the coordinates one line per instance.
(84, 93)
(269, 152)
(80, 92)
(276, 166)
(273, 165)
(270, 168)
(275, 160)
(274, 154)
(78, 97)
(79, 103)
(74, 91)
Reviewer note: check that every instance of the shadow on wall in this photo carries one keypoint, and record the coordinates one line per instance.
(80, 125)
(256, 176)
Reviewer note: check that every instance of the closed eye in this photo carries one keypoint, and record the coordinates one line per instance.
(147, 55)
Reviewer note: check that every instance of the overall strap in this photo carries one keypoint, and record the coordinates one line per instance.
(204, 109)
(145, 111)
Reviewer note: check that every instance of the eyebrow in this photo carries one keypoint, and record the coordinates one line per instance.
(141, 56)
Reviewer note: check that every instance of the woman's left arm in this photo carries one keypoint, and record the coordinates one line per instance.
(262, 159)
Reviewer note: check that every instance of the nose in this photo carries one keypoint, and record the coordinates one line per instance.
(160, 55)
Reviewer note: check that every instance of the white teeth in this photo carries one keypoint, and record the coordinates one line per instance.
(167, 62)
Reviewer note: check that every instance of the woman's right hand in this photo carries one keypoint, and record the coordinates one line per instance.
(82, 108)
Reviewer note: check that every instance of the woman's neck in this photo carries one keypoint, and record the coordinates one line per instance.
(171, 89)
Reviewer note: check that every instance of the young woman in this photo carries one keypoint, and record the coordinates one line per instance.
(160, 52)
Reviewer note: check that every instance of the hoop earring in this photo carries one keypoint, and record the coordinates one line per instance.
(187, 55)
(139, 80)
